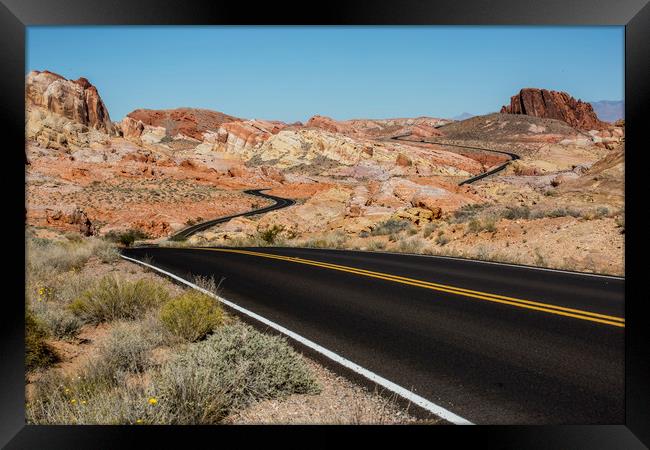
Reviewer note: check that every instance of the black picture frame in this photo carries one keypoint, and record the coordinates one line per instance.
(15, 15)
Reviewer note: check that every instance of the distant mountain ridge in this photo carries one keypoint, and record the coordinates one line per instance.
(464, 116)
(609, 110)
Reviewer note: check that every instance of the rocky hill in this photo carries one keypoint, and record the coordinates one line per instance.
(189, 122)
(554, 105)
(77, 100)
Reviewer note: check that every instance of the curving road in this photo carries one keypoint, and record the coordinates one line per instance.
(470, 341)
(513, 156)
(489, 343)
(279, 203)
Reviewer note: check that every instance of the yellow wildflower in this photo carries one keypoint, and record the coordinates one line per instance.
(152, 400)
(138, 421)
(73, 401)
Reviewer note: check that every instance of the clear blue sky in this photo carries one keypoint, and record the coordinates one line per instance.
(292, 73)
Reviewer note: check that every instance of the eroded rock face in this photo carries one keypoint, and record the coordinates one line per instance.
(76, 100)
(73, 218)
(554, 105)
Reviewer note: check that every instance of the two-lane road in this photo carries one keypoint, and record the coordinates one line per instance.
(492, 343)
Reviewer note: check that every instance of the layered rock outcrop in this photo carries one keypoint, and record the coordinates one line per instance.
(554, 105)
(189, 122)
(77, 100)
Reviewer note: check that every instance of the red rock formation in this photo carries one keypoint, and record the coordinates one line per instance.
(554, 105)
(77, 100)
(71, 218)
(190, 122)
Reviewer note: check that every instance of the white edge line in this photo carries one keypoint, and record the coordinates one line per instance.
(399, 390)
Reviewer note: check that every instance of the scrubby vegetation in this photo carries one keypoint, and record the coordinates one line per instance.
(113, 298)
(37, 352)
(165, 359)
(390, 226)
(128, 237)
(192, 315)
(230, 369)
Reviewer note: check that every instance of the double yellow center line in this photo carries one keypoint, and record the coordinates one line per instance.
(528, 304)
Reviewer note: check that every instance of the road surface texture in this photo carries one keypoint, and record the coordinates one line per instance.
(492, 343)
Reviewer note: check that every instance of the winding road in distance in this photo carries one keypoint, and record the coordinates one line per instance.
(513, 156)
(279, 203)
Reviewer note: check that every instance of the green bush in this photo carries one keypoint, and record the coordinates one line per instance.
(38, 353)
(127, 237)
(191, 315)
(113, 298)
(269, 235)
(232, 368)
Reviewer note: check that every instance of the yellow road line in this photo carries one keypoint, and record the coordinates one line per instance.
(527, 304)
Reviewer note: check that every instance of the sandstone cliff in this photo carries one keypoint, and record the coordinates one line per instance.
(554, 105)
(76, 100)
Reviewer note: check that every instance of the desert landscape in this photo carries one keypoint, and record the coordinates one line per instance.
(109, 341)
(390, 185)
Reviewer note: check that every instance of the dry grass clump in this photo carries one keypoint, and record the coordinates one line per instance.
(192, 315)
(411, 245)
(338, 239)
(114, 299)
(390, 226)
(233, 367)
(45, 256)
(59, 321)
(38, 353)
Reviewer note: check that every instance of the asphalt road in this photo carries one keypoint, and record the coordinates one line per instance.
(515, 346)
(480, 176)
(279, 203)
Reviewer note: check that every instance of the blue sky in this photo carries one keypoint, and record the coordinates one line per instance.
(292, 73)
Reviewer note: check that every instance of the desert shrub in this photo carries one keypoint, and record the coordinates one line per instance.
(88, 400)
(38, 353)
(376, 245)
(127, 237)
(328, 240)
(442, 239)
(476, 225)
(557, 212)
(468, 212)
(57, 319)
(412, 245)
(429, 228)
(113, 298)
(191, 315)
(390, 226)
(232, 368)
(126, 349)
(190, 222)
(269, 235)
(516, 212)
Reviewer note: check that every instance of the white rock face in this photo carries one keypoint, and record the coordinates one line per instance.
(152, 135)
